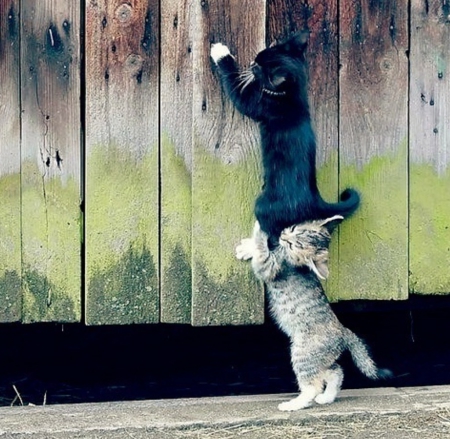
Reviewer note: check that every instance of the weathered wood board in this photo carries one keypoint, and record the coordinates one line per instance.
(122, 83)
(50, 154)
(10, 249)
(430, 147)
(285, 17)
(373, 142)
(225, 169)
(176, 160)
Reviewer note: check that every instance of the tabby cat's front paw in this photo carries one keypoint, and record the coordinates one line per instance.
(219, 51)
(245, 249)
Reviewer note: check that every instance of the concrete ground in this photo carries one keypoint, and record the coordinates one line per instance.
(391, 413)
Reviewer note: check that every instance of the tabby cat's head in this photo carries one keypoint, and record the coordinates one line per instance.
(307, 244)
(280, 74)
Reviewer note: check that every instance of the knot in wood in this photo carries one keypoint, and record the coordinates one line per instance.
(123, 13)
(134, 62)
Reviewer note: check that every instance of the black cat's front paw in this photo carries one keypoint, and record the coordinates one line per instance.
(219, 51)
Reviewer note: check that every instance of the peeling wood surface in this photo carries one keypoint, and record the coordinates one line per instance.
(122, 76)
(225, 169)
(373, 136)
(50, 154)
(10, 257)
(176, 160)
(430, 147)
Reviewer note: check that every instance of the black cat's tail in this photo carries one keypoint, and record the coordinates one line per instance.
(349, 202)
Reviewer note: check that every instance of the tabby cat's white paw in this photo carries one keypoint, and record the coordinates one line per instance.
(245, 249)
(324, 398)
(219, 51)
(293, 405)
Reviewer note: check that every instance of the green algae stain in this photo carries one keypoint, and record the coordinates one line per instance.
(121, 225)
(51, 247)
(176, 230)
(46, 301)
(430, 230)
(10, 297)
(10, 249)
(373, 244)
(125, 292)
(176, 299)
(222, 214)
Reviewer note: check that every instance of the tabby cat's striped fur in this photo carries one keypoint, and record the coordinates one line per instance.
(299, 306)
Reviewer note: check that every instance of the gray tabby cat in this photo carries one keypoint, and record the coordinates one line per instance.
(298, 304)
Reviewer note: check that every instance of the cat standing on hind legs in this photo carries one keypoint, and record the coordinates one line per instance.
(298, 304)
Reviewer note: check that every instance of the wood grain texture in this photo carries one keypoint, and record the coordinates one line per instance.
(50, 153)
(373, 245)
(176, 160)
(430, 147)
(285, 17)
(10, 257)
(122, 76)
(225, 169)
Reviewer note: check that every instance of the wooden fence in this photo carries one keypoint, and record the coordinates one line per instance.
(127, 178)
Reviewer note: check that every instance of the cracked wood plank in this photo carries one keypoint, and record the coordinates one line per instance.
(50, 154)
(176, 160)
(225, 169)
(10, 257)
(373, 146)
(430, 147)
(122, 75)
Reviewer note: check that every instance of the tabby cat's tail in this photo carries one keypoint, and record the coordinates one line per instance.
(362, 358)
(349, 202)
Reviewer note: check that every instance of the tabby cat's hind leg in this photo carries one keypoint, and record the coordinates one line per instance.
(333, 378)
(307, 394)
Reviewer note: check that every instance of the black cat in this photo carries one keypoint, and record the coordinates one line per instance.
(273, 92)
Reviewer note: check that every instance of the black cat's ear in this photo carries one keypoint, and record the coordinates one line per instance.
(331, 223)
(297, 44)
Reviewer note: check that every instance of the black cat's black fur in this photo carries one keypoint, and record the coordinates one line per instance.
(273, 92)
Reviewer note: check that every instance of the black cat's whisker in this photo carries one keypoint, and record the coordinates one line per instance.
(246, 77)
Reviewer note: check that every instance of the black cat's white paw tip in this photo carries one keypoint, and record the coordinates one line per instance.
(219, 51)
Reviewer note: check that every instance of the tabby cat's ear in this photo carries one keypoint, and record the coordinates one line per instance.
(331, 223)
(320, 267)
(297, 43)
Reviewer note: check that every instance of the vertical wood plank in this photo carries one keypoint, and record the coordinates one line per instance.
(176, 160)
(122, 76)
(430, 147)
(50, 160)
(10, 257)
(373, 248)
(285, 17)
(225, 174)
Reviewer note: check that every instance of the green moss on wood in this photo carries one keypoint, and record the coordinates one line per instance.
(51, 247)
(430, 230)
(176, 212)
(225, 290)
(121, 228)
(373, 244)
(46, 301)
(176, 298)
(10, 297)
(235, 299)
(125, 292)
(10, 249)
